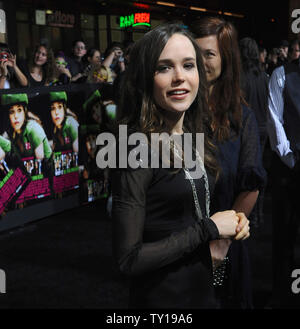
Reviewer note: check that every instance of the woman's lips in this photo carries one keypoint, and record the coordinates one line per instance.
(178, 94)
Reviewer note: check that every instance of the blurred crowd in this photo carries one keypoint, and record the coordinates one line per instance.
(47, 68)
(83, 64)
(285, 52)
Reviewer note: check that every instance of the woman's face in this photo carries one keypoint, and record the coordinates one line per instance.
(211, 57)
(295, 52)
(17, 117)
(40, 57)
(60, 62)
(57, 113)
(100, 76)
(96, 58)
(176, 79)
(79, 49)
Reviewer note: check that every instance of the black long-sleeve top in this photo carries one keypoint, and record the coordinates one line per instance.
(158, 241)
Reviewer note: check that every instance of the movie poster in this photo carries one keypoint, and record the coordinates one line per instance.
(13, 176)
(61, 126)
(48, 144)
(29, 151)
(94, 181)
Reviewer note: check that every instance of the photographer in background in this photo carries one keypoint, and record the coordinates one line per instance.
(10, 74)
(114, 59)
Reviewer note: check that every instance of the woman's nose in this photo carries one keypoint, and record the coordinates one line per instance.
(178, 75)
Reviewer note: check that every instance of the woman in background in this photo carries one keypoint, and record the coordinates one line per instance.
(236, 136)
(99, 73)
(61, 74)
(39, 71)
(10, 74)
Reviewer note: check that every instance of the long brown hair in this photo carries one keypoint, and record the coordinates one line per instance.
(49, 68)
(137, 107)
(225, 100)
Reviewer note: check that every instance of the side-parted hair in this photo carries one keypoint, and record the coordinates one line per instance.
(226, 98)
(137, 106)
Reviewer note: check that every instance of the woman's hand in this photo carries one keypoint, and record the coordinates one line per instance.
(243, 229)
(219, 248)
(3, 68)
(12, 61)
(62, 69)
(227, 223)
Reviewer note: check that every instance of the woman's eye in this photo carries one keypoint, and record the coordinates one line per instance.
(189, 66)
(209, 55)
(163, 68)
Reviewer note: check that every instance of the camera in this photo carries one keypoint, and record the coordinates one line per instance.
(118, 51)
(4, 56)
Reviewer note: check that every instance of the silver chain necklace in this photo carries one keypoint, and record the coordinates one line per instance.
(219, 273)
(198, 210)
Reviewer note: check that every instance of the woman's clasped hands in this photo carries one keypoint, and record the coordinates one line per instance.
(232, 225)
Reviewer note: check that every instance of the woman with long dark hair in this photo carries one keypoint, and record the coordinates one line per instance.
(40, 69)
(236, 135)
(161, 221)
